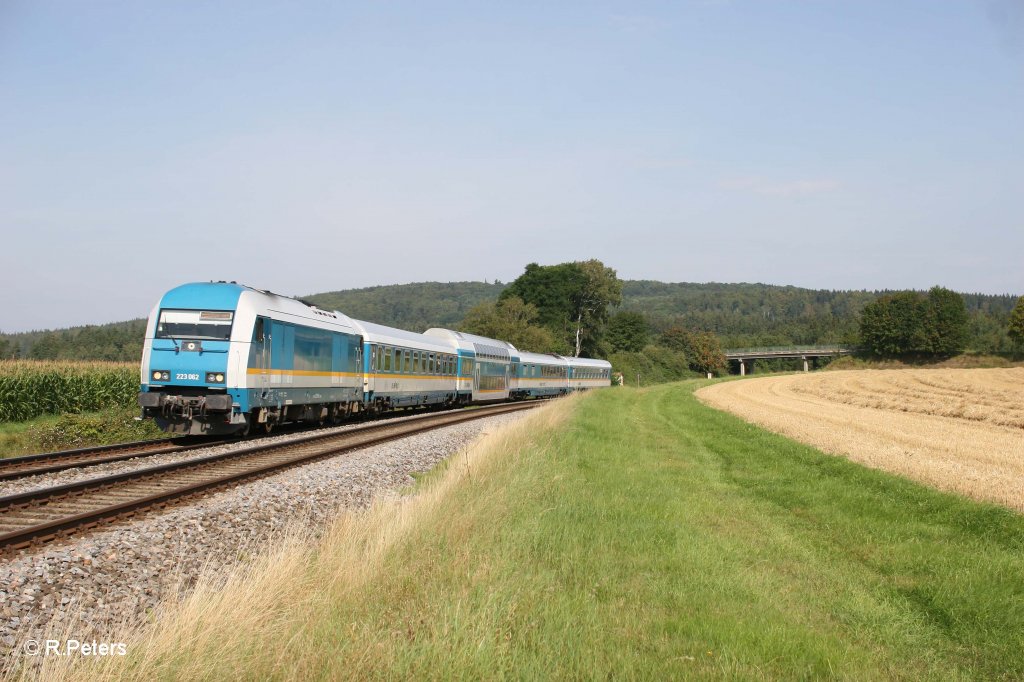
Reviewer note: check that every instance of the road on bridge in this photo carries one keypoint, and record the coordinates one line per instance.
(805, 353)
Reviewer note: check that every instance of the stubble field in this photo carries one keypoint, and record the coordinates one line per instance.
(960, 430)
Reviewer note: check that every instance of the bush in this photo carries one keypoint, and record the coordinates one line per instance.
(655, 364)
(97, 428)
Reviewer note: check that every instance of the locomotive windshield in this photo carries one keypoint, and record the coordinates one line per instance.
(213, 325)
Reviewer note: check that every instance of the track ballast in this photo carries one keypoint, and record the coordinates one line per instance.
(42, 515)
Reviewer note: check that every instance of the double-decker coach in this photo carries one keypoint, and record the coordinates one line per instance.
(485, 365)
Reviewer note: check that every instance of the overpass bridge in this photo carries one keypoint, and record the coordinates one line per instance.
(806, 353)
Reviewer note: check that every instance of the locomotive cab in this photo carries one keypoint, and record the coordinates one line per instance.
(186, 369)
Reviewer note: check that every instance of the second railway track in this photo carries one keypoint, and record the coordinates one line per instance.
(41, 515)
(52, 462)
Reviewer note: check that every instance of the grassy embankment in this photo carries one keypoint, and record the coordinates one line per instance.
(48, 405)
(630, 534)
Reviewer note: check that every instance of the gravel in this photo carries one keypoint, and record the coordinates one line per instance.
(103, 580)
(21, 485)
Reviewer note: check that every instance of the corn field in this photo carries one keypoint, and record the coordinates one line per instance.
(31, 388)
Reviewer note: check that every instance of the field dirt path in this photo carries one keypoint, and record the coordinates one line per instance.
(960, 430)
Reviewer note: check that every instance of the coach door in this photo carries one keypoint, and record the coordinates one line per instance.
(261, 355)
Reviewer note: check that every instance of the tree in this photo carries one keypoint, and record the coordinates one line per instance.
(627, 331)
(1015, 328)
(572, 299)
(602, 289)
(893, 324)
(907, 322)
(551, 289)
(702, 349)
(945, 322)
(46, 348)
(706, 353)
(510, 320)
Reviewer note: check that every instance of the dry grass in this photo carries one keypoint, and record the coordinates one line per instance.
(260, 621)
(960, 430)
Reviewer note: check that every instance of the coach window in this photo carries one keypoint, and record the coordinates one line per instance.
(379, 359)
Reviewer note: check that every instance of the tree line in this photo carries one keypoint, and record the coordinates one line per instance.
(643, 326)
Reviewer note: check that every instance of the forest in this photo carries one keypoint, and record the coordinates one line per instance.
(740, 315)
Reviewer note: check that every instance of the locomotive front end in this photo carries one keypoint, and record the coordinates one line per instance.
(186, 367)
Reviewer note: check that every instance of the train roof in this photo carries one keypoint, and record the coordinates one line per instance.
(378, 333)
(588, 362)
(542, 358)
(246, 299)
(480, 345)
(212, 295)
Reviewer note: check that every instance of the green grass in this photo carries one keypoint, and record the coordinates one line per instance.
(650, 537)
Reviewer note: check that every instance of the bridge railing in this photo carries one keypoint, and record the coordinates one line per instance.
(833, 348)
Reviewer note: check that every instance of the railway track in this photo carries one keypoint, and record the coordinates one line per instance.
(51, 462)
(42, 515)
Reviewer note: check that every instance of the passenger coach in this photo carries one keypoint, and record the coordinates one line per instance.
(540, 375)
(403, 369)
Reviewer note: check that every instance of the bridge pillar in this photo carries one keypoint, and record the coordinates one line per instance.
(806, 368)
(743, 368)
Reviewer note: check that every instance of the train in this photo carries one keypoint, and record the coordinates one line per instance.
(222, 358)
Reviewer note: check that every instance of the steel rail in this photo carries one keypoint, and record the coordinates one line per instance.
(51, 462)
(50, 513)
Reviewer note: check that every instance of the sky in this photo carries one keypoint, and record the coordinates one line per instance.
(315, 146)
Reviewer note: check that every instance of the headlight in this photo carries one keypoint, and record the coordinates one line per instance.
(214, 378)
(161, 375)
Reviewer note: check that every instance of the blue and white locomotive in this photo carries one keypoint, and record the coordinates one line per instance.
(223, 358)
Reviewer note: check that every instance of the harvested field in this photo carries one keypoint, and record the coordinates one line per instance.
(960, 430)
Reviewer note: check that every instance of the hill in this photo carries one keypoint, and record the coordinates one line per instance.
(741, 314)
